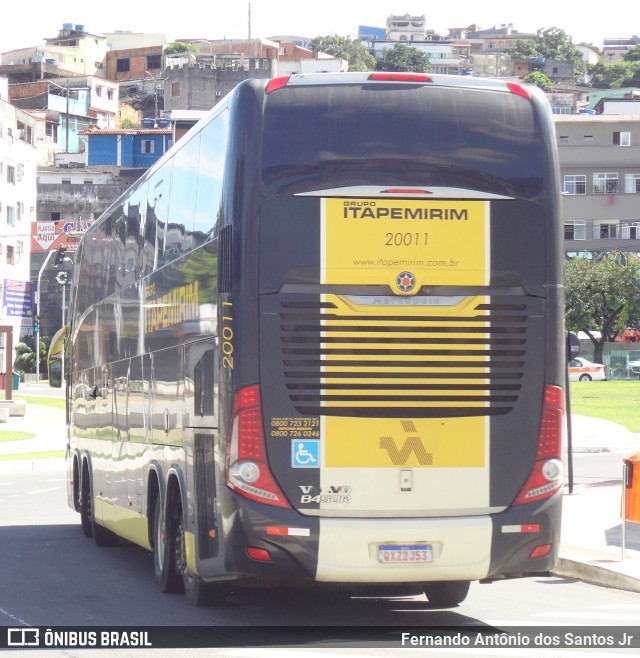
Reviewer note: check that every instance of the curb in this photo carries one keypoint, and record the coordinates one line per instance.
(595, 575)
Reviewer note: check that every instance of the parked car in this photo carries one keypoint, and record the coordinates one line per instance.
(633, 363)
(584, 371)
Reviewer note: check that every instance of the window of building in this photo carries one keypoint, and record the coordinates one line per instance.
(154, 61)
(20, 171)
(55, 217)
(147, 146)
(175, 89)
(20, 211)
(110, 94)
(11, 216)
(630, 231)
(632, 183)
(605, 183)
(123, 65)
(66, 181)
(11, 259)
(561, 109)
(88, 181)
(604, 230)
(588, 138)
(11, 174)
(99, 90)
(575, 184)
(575, 230)
(622, 138)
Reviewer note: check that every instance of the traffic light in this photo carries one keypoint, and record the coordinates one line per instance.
(36, 324)
(62, 249)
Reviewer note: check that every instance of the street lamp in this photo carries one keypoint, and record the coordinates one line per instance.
(37, 316)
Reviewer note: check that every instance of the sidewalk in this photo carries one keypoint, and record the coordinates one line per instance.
(591, 539)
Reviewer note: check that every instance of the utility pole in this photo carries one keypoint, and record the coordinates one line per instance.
(67, 121)
(37, 333)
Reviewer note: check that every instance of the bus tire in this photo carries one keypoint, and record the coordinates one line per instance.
(198, 592)
(85, 505)
(164, 551)
(446, 594)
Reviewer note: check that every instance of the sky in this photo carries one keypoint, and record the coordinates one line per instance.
(28, 25)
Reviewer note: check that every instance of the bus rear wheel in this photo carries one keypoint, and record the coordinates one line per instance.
(85, 505)
(164, 550)
(447, 594)
(198, 592)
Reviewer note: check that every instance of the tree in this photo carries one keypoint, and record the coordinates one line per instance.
(26, 355)
(352, 50)
(550, 43)
(632, 55)
(404, 58)
(179, 47)
(539, 79)
(613, 75)
(601, 294)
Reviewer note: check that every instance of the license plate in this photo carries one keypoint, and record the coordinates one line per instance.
(411, 553)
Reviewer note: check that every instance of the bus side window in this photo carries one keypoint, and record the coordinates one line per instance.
(213, 152)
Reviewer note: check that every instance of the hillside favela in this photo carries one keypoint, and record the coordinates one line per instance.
(86, 113)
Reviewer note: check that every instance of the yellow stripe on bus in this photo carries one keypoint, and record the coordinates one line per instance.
(398, 443)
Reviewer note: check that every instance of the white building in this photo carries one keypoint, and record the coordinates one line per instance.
(17, 211)
(74, 51)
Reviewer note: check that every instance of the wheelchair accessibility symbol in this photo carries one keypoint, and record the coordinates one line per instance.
(305, 454)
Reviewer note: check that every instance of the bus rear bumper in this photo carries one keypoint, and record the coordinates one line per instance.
(526, 538)
(287, 546)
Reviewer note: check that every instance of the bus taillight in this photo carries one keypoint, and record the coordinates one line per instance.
(247, 468)
(518, 90)
(400, 77)
(546, 477)
(276, 83)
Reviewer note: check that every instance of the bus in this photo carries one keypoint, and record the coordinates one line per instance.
(321, 341)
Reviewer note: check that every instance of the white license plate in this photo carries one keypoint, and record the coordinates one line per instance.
(404, 554)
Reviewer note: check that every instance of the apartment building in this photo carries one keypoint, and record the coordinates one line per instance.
(17, 210)
(74, 51)
(600, 178)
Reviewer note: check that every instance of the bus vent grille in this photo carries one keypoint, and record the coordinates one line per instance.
(419, 363)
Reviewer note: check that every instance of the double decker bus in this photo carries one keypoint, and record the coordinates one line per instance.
(321, 341)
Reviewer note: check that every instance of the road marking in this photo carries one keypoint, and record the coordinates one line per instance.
(39, 491)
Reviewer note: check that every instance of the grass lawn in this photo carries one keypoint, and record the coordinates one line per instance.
(6, 435)
(52, 454)
(617, 401)
(13, 435)
(56, 403)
